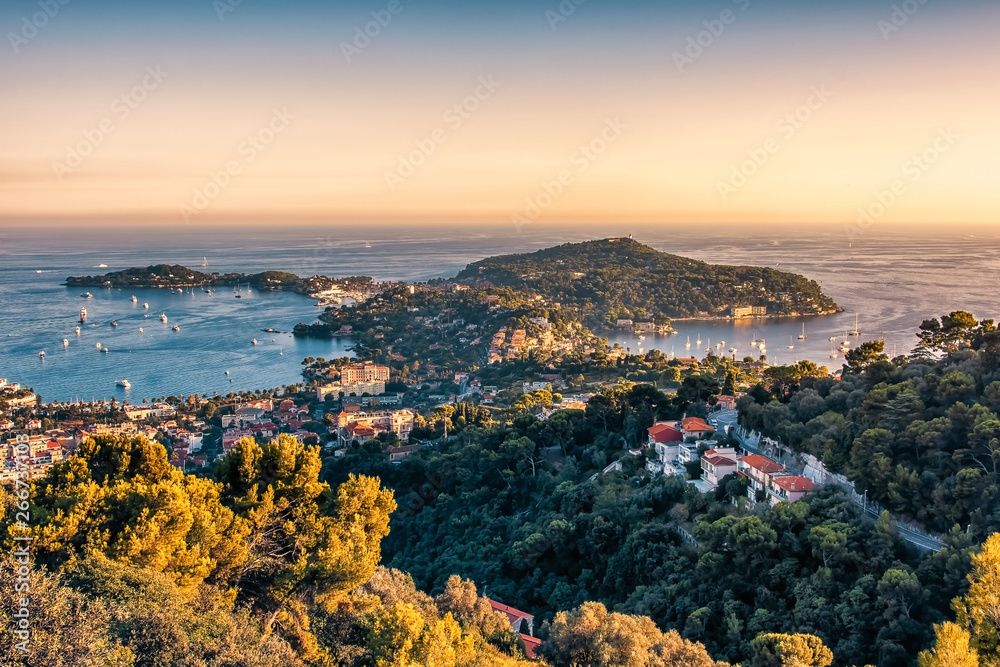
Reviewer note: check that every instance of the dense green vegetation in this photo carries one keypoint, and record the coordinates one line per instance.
(622, 278)
(918, 434)
(514, 505)
(176, 275)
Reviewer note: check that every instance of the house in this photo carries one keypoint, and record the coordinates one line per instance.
(696, 427)
(518, 619)
(364, 372)
(726, 402)
(789, 487)
(759, 471)
(715, 466)
(397, 454)
(531, 645)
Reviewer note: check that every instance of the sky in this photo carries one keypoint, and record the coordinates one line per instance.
(558, 111)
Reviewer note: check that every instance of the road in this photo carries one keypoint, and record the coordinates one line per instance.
(725, 418)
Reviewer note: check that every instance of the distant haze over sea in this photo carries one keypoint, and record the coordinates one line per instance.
(889, 279)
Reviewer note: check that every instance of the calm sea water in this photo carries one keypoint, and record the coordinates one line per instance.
(890, 282)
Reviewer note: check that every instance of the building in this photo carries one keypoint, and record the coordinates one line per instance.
(519, 620)
(716, 464)
(696, 427)
(371, 387)
(397, 454)
(788, 487)
(738, 312)
(364, 372)
(771, 480)
(726, 402)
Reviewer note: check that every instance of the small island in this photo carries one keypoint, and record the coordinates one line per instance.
(175, 276)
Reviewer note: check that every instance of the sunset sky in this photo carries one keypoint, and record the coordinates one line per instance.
(666, 134)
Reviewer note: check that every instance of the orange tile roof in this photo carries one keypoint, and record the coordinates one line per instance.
(795, 484)
(762, 463)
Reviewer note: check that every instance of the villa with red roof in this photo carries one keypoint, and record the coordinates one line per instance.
(772, 480)
(515, 616)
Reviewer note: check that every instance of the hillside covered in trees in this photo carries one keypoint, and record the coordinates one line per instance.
(622, 278)
(920, 434)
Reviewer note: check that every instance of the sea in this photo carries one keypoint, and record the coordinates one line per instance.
(888, 281)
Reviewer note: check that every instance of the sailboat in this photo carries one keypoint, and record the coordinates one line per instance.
(239, 294)
(802, 336)
(708, 350)
(698, 340)
(687, 345)
(204, 262)
(791, 345)
(857, 331)
(134, 300)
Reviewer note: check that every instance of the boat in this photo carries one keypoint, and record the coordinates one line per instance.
(140, 329)
(802, 336)
(78, 331)
(65, 342)
(163, 317)
(227, 372)
(791, 345)
(83, 315)
(38, 271)
(87, 295)
(687, 345)
(98, 346)
(114, 323)
(204, 262)
(41, 354)
(367, 244)
(732, 351)
(857, 331)
(105, 350)
(134, 300)
(833, 354)
(239, 293)
(254, 341)
(145, 305)
(833, 338)
(124, 384)
(176, 328)
(698, 340)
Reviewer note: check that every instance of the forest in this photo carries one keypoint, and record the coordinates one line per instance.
(919, 434)
(622, 278)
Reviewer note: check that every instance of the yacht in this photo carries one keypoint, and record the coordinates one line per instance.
(163, 317)
(857, 331)
(140, 329)
(698, 340)
(732, 351)
(83, 315)
(78, 331)
(833, 338)
(124, 384)
(687, 345)
(65, 342)
(204, 262)
(145, 305)
(106, 350)
(114, 323)
(368, 244)
(41, 354)
(102, 266)
(791, 345)
(134, 300)
(833, 354)
(87, 295)
(254, 341)
(227, 372)
(176, 328)
(802, 336)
